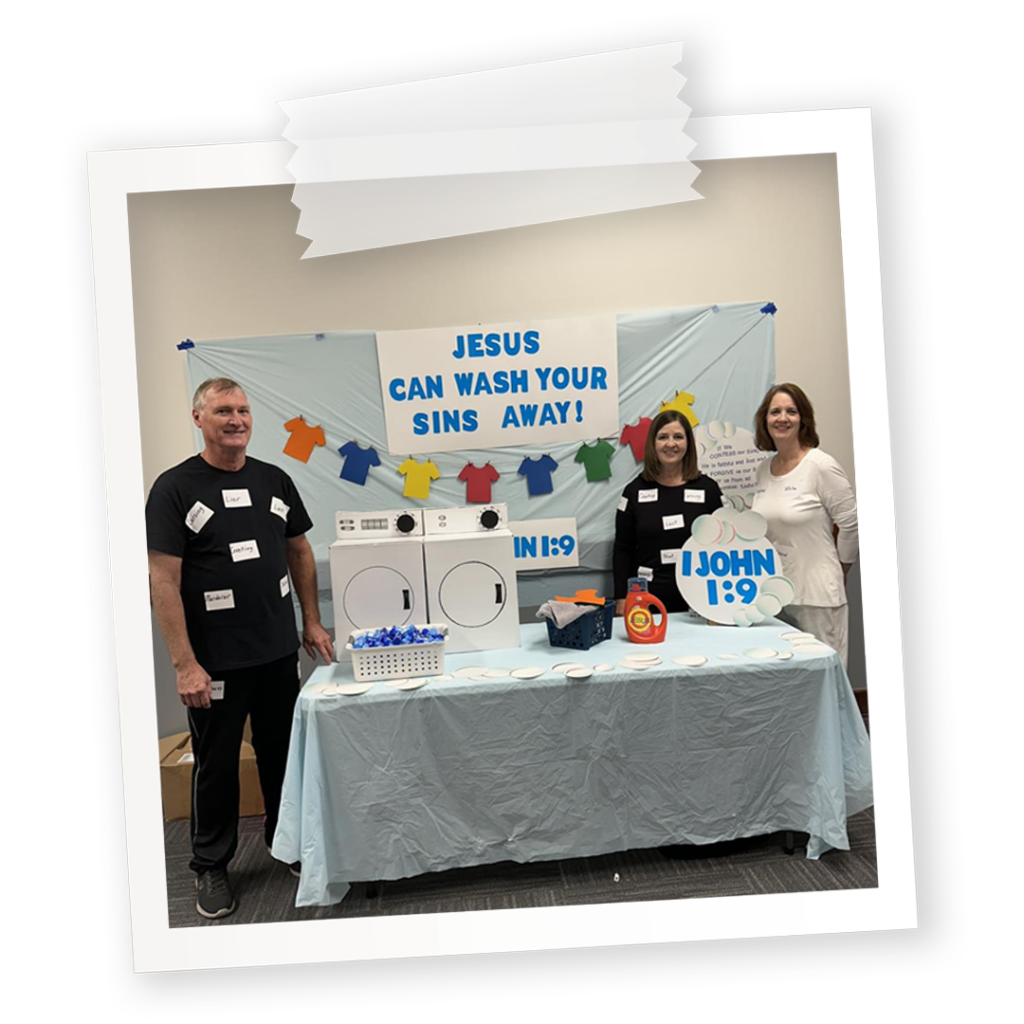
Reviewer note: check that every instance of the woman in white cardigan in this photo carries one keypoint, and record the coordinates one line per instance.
(812, 514)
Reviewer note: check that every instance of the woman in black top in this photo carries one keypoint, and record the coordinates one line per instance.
(657, 511)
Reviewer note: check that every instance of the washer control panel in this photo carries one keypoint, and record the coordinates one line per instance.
(438, 522)
(406, 522)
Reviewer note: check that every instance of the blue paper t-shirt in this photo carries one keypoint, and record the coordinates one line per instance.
(538, 474)
(357, 462)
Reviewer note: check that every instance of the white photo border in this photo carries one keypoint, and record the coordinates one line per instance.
(157, 947)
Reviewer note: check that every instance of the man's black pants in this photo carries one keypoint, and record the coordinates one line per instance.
(266, 694)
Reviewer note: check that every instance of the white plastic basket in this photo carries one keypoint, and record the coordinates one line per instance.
(405, 662)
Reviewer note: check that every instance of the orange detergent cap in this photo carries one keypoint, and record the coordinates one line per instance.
(584, 597)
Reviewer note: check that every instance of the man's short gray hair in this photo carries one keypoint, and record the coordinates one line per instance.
(220, 385)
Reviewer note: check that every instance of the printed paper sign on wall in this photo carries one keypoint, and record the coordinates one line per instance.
(499, 385)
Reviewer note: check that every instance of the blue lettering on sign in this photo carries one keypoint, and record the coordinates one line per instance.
(580, 378)
(526, 547)
(427, 387)
(501, 382)
(751, 562)
(550, 413)
(510, 343)
(444, 421)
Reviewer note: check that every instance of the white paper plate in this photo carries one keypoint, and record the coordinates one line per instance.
(768, 604)
(785, 656)
(395, 683)
(579, 673)
(692, 660)
(797, 635)
(527, 673)
(354, 689)
(812, 649)
(639, 666)
(729, 657)
(653, 658)
(605, 666)
(567, 666)
(761, 652)
(413, 684)
(781, 587)
(470, 670)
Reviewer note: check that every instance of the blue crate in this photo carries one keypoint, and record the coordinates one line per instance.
(586, 631)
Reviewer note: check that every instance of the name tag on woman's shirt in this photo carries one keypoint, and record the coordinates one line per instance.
(672, 522)
(697, 496)
(643, 496)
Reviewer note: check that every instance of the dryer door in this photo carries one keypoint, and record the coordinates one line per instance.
(378, 596)
(472, 594)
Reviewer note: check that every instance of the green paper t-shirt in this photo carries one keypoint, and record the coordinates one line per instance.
(596, 460)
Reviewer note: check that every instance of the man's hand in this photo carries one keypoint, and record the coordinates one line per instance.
(316, 639)
(620, 607)
(193, 685)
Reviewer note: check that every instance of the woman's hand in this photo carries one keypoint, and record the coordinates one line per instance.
(620, 607)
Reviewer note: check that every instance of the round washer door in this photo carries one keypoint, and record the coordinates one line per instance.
(472, 594)
(378, 596)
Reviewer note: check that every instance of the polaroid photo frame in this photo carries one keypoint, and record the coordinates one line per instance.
(113, 177)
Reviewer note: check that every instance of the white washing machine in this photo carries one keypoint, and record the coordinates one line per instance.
(471, 576)
(377, 572)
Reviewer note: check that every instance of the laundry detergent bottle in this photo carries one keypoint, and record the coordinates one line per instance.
(641, 627)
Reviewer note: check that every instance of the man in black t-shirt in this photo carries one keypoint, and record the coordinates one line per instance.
(225, 532)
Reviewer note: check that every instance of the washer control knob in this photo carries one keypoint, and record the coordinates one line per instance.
(405, 523)
(489, 519)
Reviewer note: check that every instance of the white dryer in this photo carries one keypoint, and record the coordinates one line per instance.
(471, 576)
(377, 572)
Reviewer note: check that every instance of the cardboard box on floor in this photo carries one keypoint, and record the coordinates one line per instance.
(176, 777)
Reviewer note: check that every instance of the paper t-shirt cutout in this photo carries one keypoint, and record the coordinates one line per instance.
(596, 460)
(478, 480)
(636, 437)
(681, 403)
(417, 477)
(538, 474)
(304, 438)
(357, 462)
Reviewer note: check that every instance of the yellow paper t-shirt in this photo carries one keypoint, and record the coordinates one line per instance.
(417, 477)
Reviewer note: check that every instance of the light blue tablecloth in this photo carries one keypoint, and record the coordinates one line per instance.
(392, 784)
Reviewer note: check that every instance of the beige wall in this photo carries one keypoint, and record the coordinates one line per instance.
(225, 263)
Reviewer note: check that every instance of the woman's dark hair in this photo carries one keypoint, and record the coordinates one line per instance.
(808, 434)
(652, 466)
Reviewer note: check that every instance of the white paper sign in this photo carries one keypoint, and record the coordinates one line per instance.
(729, 572)
(645, 496)
(545, 544)
(499, 385)
(243, 550)
(279, 508)
(218, 600)
(237, 498)
(672, 522)
(198, 516)
(216, 689)
(285, 588)
(730, 457)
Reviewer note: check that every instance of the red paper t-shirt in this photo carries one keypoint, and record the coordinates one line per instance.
(478, 480)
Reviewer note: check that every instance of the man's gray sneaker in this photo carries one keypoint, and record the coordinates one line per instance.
(214, 896)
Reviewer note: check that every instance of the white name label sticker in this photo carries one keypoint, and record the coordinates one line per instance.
(279, 508)
(198, 516)
(645, 496)
(670, 557)
(216, 600)
(672, 522)
(285, 589)
(243, 550)
(623, 503)
(217, 689)
(696, 496)
(643, 571)
(237, 499)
